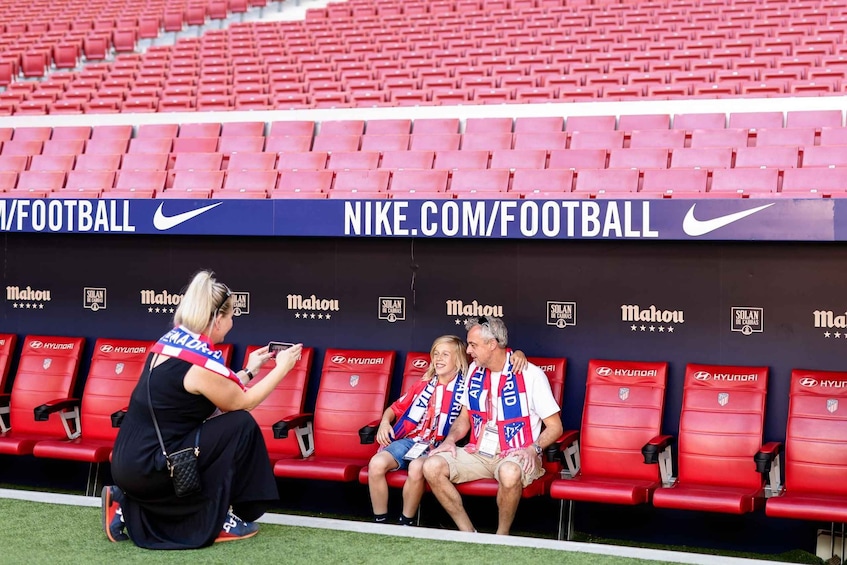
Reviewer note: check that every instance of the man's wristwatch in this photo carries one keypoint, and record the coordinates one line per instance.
(537, 448)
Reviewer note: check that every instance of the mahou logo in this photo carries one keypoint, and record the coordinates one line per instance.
(463, 311)
(651, 318)
(161, 302)
(833, 323)
(27, 298)
(311, 307)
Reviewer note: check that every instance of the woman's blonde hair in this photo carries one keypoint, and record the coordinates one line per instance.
(460, 352)
(204, 299)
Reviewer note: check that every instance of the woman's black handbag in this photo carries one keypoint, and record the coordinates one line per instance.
(184, 469)
(182, 464)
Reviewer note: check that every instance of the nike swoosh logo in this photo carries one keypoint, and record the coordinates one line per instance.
(694, 227)
(163, 223)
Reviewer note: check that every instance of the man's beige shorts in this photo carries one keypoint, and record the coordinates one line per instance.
(465, 467)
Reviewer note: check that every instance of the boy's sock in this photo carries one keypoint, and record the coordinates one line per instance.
(404, 521)
(380, 518)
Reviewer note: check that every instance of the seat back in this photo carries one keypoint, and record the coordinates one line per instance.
(554, 368)
(116, 366)
(47, 371)
(417, 362)
(720, 426)
(815, 451)
(624, 403)
(287, 398)
(353, 392)
(7, 348)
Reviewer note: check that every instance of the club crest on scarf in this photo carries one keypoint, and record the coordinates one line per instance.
(512, 412)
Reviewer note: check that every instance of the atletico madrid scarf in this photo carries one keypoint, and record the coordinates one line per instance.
(447, 413)
(512, 408)
(197, 349)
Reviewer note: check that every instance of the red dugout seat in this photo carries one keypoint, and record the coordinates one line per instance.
(289, 397)
(815, 451)
(624, 403)
(116, 366)
(554, 368)
(47, 370)
(352, 393)
(720, 432)
(7, 348)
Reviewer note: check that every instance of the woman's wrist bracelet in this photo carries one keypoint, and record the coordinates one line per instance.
(249, 374)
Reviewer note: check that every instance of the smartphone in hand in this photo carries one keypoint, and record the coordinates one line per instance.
(275, 347)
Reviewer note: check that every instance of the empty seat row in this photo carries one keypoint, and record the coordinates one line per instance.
(433, 183)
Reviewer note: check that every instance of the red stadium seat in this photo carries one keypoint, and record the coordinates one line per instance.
(7, 348)
(385, 142)
(596, 140)
(461, 159)
(657, 138)
(590, 123)
(389, 127)
(825, 156)
(702, 158)
(781, 157)
(405, 182)
(436, 126)
(815, 181)
(47, 370)
(144, 161)
(720, 432)
(305, 182)
(644, 122)
(602, 181)
(292, 127)
(472, 181)
(699, 121)
(289, 143)
(311, 160)
(670, 181)
(353, 160)
(545, 140)
(756, 120)
(639, 158)
(542, 181)
(815, 457)
(361, 181)
(719, 138)
(116, 366)
(577, 159)
(407, 160)
(86, 180)
(250, 181)
(251, 161)
(198, 162)
(785, 136)
(353, 392)
(514, 159)
(434, 142)
(814, 118)
(289, 397)
(624, 404)
(329, 142)
(745, 181)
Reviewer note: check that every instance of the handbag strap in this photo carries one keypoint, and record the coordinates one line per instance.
(150, 405)
(153, 415)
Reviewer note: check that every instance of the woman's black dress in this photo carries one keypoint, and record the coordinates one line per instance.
(234, 466)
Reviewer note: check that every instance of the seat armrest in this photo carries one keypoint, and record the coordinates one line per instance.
(555, 450)
(42, 413)
(282, 427)
(766, 455)
(654, 447)
(118, 417)
(367, 433)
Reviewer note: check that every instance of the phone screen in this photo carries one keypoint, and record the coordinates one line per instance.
(275, 347)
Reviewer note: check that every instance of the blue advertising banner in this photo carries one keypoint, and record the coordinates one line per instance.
(654, 219)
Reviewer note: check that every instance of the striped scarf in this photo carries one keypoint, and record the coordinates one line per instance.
(513, 423)
(447, 414)
(197, 349)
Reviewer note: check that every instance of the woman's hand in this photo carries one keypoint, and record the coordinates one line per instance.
(258, 358)
(519, 361)
(287, 358)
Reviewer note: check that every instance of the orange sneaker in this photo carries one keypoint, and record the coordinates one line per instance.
(111, 514)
